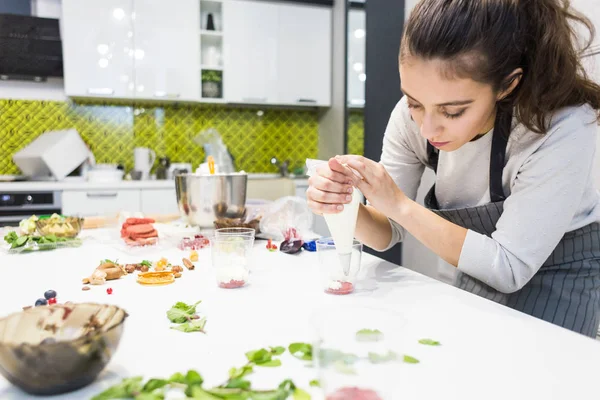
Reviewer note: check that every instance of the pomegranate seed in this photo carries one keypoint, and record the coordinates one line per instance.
(52, 300)
(109, 290)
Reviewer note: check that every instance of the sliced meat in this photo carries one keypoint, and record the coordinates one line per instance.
(137, 229)
(144, 235)
(146, 241)
(139, 221)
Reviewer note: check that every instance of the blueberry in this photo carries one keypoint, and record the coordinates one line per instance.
(41, 302)
(50, 294)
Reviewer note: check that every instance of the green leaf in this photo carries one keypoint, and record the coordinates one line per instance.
(429, 342)
(343, 368)
(271, 363)
(181, 312)
(21, 240)
(198, 393)
(278, 394)
(369, 335)
(240, 372)
(315, 383)
(238, 383)
(50, 238)
(154, 384)
(303, 351)
(124, 390)
(191, 326)
(382, 358)
(278, 350)
(146, 263)
(11, 237)
(330, 356)
(193, 378)
(177, 377)
(230, 394)
(259, 356)
(410, 360)
(300, 394)
(150, 396)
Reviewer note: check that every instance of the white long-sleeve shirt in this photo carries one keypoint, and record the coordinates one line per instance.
(548, 180)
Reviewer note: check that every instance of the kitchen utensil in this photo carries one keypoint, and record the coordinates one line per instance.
(231, 249)
(179, 168)
(136, 175)
(53, 154)
(163, 168)
(144, 160)
(338, 275)
(202, 199)
(59, 348)
(105, 175)
(68, 227)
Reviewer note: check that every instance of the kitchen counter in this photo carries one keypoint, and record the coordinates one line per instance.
(72, 184)
(488, 351)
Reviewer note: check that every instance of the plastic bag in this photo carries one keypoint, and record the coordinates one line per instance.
(214, 146)
(287, 217)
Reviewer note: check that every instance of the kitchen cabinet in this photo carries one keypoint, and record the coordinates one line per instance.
(159, 201)
(98, 44)
(250, 51)
(277, 53)
(167, 50)
(304, 54)
(356, 58)
(100, 202)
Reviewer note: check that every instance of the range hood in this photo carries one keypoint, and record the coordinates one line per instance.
(30, 48)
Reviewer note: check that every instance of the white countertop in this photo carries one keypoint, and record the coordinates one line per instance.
(76, 184)
(488, 351)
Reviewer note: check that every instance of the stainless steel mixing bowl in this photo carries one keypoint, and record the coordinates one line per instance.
(202, 199)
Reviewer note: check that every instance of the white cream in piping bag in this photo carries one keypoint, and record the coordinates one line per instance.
(343, 224)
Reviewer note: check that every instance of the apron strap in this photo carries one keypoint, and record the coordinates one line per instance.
(502, 127)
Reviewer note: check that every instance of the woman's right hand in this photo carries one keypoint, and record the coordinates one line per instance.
(329, 188)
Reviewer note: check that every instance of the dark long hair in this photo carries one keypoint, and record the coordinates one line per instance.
(486, 40)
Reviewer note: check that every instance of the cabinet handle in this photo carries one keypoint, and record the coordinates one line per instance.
(160, 93)
(312, 101)
(254, 99)
(101, 195)
(104, 91)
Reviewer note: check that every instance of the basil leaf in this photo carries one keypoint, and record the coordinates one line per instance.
(302, 351)
(410, 360)
(429, 342)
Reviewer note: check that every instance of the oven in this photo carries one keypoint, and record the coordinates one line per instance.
(18, 205)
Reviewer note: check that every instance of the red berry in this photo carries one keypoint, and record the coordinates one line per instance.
(109, 290)
(52, 300)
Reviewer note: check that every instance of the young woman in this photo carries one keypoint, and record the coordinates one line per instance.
(498, 104)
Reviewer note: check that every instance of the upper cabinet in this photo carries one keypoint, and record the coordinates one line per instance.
(167, 49)
(277, 53)
(236, 51)
(98, 45)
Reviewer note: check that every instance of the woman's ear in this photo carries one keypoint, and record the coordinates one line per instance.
(510, 83)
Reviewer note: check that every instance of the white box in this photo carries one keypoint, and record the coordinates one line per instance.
(54, 153)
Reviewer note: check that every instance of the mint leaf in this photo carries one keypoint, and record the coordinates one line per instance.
(124, 390)
(154, 384)
(429, 342)
(11, 237)
(278, 350)
(177, 377)
(271, 363)
(300, 394)
(191, 326)
(315, 383)
(197, 393)
(278, 394)
(193, 378)
(302, 351)
(259, 356)
(224, 393)
(369, 335)
(146, 263)
(150, 396)
(240, 372)
(343, 368)
(238, 384)
(381, 358)
(181, 312)
(410, 360)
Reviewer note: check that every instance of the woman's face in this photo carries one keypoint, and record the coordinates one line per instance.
(449, 112)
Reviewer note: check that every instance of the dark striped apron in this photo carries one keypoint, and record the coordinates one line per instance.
(566, 289)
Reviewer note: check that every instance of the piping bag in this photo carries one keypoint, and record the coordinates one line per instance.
(341, 225)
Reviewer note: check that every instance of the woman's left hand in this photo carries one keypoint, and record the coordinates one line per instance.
(376, 184)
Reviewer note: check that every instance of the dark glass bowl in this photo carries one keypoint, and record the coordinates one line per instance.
(55, 349)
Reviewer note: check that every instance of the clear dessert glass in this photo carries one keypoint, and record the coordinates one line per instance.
(357, 352)
(231, 253)
(338, 271)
